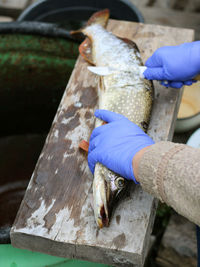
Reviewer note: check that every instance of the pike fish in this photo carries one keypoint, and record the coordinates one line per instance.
(121, 89)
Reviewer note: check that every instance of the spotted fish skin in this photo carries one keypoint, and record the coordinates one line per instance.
(124, 92)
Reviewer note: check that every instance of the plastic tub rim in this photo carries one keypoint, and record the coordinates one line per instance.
(188, 123)
(26, 12)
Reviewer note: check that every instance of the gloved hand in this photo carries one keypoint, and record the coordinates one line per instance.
(177, 64)
(116, 143)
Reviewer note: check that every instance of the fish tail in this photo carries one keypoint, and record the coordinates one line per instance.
(101, 18)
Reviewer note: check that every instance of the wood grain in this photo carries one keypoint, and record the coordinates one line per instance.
(56, 216)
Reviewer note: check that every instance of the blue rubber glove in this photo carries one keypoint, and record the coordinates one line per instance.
(116, 143)
(176, 64)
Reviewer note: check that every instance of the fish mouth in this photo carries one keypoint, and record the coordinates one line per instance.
(102, 220)
(108, 187)
(102, 212)
(101, 201)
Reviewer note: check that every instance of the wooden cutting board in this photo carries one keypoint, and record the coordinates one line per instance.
(56, 216)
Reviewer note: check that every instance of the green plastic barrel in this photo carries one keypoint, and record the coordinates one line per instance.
(14, 257)
(34, 72)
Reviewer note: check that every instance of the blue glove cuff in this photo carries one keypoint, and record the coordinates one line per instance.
(130, 173)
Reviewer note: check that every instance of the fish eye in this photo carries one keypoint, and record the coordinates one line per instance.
(120, 182)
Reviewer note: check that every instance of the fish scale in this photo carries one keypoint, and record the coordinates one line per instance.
(123, 91)
(104, 43)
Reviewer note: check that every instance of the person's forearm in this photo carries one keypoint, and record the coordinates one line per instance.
(171, 172)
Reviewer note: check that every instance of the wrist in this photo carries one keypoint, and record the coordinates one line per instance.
(136, 161)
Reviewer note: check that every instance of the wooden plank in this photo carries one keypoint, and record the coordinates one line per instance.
(179, 244)
(161, 12)
(173, 18)
(56, 216)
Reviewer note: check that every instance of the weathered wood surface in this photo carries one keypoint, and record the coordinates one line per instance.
(56, 216)
(178, 245)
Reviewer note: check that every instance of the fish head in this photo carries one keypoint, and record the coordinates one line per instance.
(107, 189)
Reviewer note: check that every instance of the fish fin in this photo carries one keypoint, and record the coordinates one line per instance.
(85, 50)
(100, 17)
(101, 71)
(84, 145)
(130, 43)
(78, 35)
